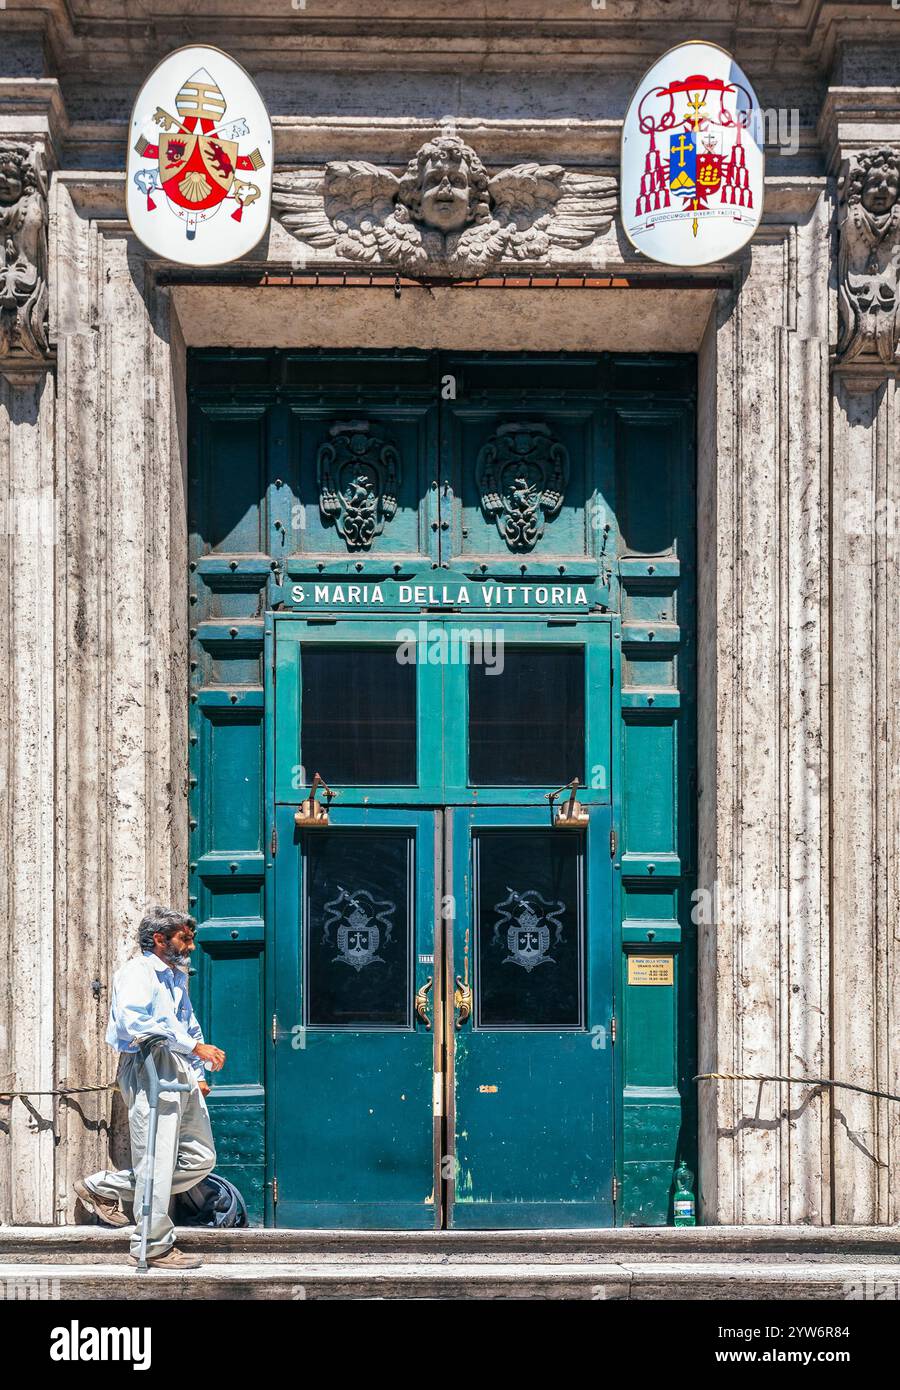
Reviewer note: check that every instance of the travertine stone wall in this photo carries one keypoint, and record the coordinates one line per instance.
(122, 614)
(865, 554)
(27, 775)
(763, 708)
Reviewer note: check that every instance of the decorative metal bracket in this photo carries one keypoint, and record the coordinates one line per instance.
(572, 813)
(314, 814)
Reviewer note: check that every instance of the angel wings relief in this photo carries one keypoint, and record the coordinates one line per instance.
(199, 173)
(445, 212)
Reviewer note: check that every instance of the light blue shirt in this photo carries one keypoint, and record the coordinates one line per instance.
(151, 997)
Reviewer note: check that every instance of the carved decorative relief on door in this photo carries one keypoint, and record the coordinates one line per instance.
(522, 472)
(359, 477)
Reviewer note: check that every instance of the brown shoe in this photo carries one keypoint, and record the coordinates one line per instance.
(172, 1259)
(104, 1208)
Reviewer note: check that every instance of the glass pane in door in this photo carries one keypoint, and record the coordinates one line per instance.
(529, 928)
(358, 928)
(358, 716)
(526, 718)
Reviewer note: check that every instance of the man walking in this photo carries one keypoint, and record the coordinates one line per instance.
(150, 999)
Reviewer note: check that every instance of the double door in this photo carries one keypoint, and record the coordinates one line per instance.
(441, 983)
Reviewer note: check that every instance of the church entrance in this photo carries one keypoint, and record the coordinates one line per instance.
(471, 749)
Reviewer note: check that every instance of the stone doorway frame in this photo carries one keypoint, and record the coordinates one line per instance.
(116, 771)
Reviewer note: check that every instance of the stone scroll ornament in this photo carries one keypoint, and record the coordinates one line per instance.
(359, 476)
(522, 472)
(445, 214)
(23, 266)
(869, 257)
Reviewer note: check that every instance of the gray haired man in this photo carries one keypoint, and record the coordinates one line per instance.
(150, 999)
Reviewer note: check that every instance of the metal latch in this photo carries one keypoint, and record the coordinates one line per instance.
(314, 813)
(571, 813)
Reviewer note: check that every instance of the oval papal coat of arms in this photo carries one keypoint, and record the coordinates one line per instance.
(199, 169)
(692, 158)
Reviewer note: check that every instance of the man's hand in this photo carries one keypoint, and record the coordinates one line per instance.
(207, 1053)
(204, 1087)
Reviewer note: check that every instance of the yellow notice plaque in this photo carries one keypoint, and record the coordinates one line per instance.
(651, 970)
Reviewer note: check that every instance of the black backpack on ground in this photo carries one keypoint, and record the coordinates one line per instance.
(213, 1202)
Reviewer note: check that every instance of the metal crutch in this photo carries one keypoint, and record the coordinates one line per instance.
(154, 1089)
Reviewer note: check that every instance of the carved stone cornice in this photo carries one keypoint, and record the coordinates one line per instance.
(854, 118)
(32, 108)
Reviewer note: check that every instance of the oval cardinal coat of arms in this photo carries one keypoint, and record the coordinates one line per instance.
(199, 170)
(692, 158)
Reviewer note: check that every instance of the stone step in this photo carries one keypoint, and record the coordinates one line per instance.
(307, 1280)
(779, 1245)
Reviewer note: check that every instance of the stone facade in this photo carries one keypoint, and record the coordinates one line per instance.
(799, 460)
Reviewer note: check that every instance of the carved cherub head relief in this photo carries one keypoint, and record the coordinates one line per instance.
(23, 251)
(868, 273)
(17, 174)
(880, 189)
(874, 181)
(446, 186)
(444, 213)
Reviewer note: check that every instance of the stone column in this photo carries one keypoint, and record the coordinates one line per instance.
(28, 536)
(866, 683)
(866, 677)
(122, 604)
(763, 711)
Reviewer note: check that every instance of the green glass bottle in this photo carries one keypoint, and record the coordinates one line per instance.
(684, 1204)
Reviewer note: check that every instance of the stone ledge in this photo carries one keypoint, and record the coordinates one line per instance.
(698, 1281)
(775, 1245)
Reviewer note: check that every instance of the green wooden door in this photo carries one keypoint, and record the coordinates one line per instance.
(531, 1117)
(455, 883)
(350, 506)
(354, 926)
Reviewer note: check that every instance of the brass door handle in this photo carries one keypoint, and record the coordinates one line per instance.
(462, 995)
(462, 998)
(422, 1002)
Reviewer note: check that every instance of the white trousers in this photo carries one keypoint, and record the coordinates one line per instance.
(185, 1152)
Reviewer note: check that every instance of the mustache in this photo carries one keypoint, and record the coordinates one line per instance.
(177, 958)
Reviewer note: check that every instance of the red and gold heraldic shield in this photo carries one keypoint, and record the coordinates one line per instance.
(195, 171)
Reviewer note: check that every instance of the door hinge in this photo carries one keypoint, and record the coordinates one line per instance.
(275, 1192)
(613, 1029)
(613, 844)
(273, 844)
(274, 1028)
(615, 1192)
